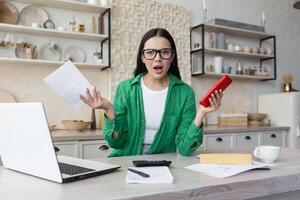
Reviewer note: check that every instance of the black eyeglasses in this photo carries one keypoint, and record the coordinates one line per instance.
(165, 53)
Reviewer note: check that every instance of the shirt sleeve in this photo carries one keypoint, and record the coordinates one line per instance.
(119, 123)
(189, 137)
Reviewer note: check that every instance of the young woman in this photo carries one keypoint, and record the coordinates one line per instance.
(155, 111)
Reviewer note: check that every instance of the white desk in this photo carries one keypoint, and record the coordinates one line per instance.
(188, 184)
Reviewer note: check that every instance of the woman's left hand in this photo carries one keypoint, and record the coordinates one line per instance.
(215, 103)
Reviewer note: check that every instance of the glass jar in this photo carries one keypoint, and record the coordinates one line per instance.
(239, 67)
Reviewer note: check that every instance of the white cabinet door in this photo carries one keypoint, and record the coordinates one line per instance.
(69, 148)
(275, 138)
(247, 140)
(220, 141)
(93, 149)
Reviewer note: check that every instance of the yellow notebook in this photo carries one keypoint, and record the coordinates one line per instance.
(226, 158)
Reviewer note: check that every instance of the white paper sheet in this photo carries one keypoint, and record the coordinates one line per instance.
(157, 175)
(68, 82)
(222, 171)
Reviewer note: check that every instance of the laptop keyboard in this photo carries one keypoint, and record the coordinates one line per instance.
(73, 169)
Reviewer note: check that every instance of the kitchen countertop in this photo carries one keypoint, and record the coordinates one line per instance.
(285, 177)
(217, 130)
(67, 135)
(87, 134)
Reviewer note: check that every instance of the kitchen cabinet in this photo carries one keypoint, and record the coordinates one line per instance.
(243, 140)
(247, 140)
(256, 65)
(68, 148)
(103, 38)
(93, 149)
(89, 149)
(274, 138)
(221, 141)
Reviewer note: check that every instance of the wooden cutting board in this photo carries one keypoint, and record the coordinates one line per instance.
(6, 97)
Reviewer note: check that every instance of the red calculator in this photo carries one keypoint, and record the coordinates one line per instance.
(222, 84)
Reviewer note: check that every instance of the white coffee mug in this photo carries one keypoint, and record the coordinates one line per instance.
(267, 154)
(35, 25)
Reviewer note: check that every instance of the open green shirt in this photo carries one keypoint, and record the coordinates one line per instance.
(177, 129)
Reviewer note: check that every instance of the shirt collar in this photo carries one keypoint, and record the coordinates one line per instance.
(173, 79)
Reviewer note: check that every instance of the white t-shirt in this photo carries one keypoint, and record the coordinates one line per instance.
(154, 106)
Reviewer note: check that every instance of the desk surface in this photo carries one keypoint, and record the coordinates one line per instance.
(188, 184)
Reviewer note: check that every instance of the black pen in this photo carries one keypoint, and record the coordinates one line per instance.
(139, 173)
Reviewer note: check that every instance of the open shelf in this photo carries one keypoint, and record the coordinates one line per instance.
(48, 63)
(232, 53)
(52, 33)
(68, 5)
(200, 54)
(233, 31)
(235, 76)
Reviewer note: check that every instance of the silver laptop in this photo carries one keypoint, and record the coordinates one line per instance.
(26, 146)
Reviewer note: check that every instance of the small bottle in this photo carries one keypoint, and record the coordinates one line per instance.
(72, 24)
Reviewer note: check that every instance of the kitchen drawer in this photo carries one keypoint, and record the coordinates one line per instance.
(219, 142)
(94, 149)
(247, 140)
(69, 148)
(273, 138)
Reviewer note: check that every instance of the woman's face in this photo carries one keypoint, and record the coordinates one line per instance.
(157, 56)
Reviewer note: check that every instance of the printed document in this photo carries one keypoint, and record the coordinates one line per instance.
(225, 170)
(68, 82)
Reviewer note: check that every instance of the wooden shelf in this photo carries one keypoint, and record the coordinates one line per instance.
(52, 33)
(235, 76)
(28, 62)
(68, 5)
(233, 53)
(233, 31)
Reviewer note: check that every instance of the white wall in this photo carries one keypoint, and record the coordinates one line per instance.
(282, 20)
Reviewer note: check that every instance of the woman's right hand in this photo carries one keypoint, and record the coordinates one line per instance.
(95, 101)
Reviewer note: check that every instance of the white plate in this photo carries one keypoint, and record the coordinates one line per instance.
(46, 53)
(75, 53)
(33, 14)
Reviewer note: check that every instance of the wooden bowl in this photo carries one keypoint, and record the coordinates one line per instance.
(256, 116)
(75, 125)
(51, 127)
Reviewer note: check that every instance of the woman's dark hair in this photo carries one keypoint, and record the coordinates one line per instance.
(141, 67)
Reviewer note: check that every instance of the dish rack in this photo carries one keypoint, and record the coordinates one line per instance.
(233, 120)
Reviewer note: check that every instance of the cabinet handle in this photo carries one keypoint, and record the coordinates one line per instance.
(247, 137)
(273, 135)
(219, 139)
(104, 147)
(56, 149)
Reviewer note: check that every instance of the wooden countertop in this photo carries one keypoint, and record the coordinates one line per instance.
(87, 134)
(284, 177)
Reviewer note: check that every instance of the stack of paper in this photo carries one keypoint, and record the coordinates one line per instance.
(157, 175)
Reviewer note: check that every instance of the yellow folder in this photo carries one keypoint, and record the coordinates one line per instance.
(226, 158)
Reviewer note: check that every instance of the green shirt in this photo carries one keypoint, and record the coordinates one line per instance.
(177, 129)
